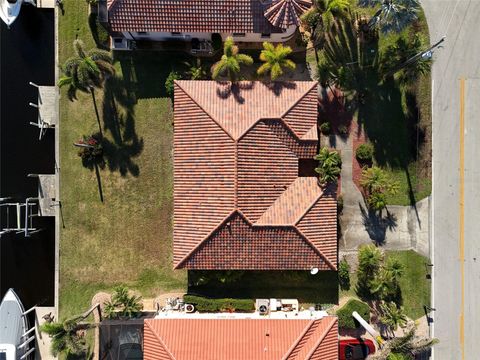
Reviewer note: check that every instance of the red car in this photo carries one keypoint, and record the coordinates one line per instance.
(355, 349)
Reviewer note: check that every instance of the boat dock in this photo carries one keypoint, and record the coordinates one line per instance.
(43, 341)
(47, 108)
(46, 4)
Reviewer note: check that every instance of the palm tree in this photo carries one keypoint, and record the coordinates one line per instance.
(86, 71)
(230, 61)
(395, 268)
(65, 335)
(122, 304)
(369, 261)
(409, 346)
(377, 185)
(375, 179)
(330, 166)
(393, 15)
(320, 19)
(377, 201)
(398, 53)
(382, 286)
(275, 59)
(392, 316)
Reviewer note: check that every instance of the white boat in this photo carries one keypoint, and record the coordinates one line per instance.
(9, 9)
(13, 327)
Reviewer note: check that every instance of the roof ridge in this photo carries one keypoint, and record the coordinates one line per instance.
(301, 216)
(325, 333)
(302, 335)
(322, 255)
(177, 82)
(309, 208)
(147, 322)
(195, 248)
(315, 84)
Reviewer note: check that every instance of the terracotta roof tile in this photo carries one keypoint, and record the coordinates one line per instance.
(241, 339)
(284, 13)
(212, 16)
(291, 204)
(238, 245)
(246, 172)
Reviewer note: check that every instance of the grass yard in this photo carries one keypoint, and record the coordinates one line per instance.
(414, 284)
(415, 287)
(127, 238)
(396, 118)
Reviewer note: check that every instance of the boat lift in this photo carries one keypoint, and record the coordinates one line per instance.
(46, 105)
(27, 339)
(18, 216)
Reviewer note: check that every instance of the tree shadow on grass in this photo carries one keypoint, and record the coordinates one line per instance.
(99, 34)
(119, 119)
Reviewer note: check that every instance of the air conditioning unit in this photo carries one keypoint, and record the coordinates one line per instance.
(262, 306)
(122, 44)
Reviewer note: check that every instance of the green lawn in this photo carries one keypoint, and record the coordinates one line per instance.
(127, 238)
(414, 284)
(415, 287)
(396, 119)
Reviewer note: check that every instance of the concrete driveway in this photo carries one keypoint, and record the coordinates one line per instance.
(456, 180)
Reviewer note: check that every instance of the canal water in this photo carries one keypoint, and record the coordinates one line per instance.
(26, 54)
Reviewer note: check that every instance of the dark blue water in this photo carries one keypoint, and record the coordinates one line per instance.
(26, 54)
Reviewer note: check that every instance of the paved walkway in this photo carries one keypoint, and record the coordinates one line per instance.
(399, 228)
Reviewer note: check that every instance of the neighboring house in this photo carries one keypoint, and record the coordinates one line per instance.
(245, 20)
(246, 195)
(241, 339)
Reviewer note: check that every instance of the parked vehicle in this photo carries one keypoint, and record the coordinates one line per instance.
(355, 349)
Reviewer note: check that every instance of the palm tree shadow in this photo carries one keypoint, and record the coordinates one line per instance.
(377, 225)
(278, 86)
(226, 89)
(119, 119)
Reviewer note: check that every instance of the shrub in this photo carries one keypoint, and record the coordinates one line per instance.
(325, 128)
(339, 204)
(310, 19)
(343, 130)
(365, 152)
(345, 318)
(169, 83)
(329, 167)
(90, 148)
(216, 41)
(203, 304)
(344, 275)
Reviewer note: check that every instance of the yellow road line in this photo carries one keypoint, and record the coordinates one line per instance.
(462, 218)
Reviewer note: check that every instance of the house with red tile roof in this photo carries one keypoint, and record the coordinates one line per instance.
(241, 339)
(244, 20)
(245, 193)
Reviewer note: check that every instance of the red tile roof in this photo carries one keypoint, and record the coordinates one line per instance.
(242, 16)
(284, 13)
(241, 339)
(238, 200)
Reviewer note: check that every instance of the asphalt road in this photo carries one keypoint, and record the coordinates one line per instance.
(456, 178)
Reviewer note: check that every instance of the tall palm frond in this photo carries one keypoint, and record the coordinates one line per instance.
(275, 59)
(393, 15)
(230, 61)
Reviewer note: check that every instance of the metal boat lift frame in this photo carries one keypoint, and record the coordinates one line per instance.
(17, 207)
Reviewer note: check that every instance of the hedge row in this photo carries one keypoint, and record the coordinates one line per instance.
(345, 318)
(215, 305)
